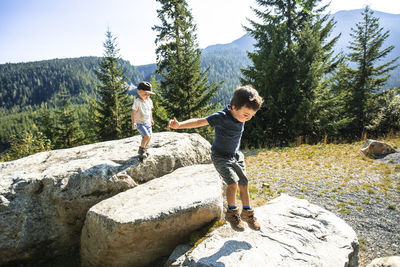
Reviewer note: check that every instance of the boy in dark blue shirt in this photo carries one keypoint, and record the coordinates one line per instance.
(225, 154)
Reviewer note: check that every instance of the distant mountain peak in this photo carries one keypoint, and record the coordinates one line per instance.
(244, 43)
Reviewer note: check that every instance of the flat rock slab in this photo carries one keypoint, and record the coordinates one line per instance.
(136, 227)
(391, 261)
(44, 197)
(294, 233)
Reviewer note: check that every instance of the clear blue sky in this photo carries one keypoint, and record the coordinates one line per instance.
(33, 30)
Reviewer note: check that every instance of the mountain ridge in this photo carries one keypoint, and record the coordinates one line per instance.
(223, 62)
(25, 86)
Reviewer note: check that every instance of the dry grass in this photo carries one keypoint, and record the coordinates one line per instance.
(332, 169)
(338, 177)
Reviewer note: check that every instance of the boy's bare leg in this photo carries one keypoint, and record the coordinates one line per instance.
(244, 195)
(145, 141)
(231, 194)
(148, 139)
(248, 215)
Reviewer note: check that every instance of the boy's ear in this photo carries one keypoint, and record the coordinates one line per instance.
(234, 108)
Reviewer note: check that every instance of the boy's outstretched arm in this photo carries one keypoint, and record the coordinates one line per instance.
(191, 123)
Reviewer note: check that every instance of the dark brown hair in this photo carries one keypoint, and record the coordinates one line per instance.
(247, 96)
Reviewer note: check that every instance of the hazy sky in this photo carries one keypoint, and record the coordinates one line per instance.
(33, 30)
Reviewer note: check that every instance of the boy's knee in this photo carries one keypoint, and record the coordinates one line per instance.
(233, 185)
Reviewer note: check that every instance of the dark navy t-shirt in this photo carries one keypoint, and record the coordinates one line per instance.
(228, 132)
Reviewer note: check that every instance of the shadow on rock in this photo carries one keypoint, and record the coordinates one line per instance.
(227, 249)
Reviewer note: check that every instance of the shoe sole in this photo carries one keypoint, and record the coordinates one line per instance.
(234, 227)
(253, 227)
(238, 229)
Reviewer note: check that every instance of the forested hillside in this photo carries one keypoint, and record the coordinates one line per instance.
(24, 87)
(33, 83)
(225, 60)
(224, 63)
(29, 84)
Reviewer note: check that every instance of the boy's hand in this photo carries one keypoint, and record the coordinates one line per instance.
(174, 124)
(134, 126)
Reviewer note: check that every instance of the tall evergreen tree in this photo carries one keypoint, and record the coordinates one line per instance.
(160, 115)
(370, 75)
(92, 125)
(290, 63)
(47, 121)
(185, 90)
(67, 128)
(113, 104)
(332, 104)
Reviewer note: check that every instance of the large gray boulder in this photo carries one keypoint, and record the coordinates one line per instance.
(44, 198)
(136, 227)
(293, 233)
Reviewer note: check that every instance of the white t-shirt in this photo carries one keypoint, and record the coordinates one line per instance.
(143, 110)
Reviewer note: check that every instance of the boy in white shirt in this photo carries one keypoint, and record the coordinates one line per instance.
(142, 117)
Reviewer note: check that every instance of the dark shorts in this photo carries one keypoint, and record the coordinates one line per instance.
(232, 169)
(144, 129)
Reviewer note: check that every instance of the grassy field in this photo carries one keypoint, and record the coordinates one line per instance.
(331, 169)
(362, 191)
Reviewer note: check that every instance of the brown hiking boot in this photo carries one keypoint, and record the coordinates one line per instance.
(146, 152)
(248, 216)
(232, 216)
(142, 152)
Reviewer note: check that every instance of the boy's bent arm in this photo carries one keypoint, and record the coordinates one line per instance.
(188, 124)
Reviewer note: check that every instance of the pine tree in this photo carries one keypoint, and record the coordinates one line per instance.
(25, 144)
(113, 104)
(46, 122)
(332, 103)
(67, 128)
(185, 91)
(290, 64)
(368, 77)
(92, 124)
(160, 115)
(388, 118)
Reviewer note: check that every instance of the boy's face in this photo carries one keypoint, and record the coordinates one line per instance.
(243, 114)
(143, 94)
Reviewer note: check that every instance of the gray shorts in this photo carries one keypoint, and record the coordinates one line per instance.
(231, 169)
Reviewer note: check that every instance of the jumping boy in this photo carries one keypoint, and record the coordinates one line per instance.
(142, 117)
(225, 154)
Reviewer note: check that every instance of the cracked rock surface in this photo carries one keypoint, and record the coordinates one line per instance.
(147, 222)
(293, 233)
(44, 197)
